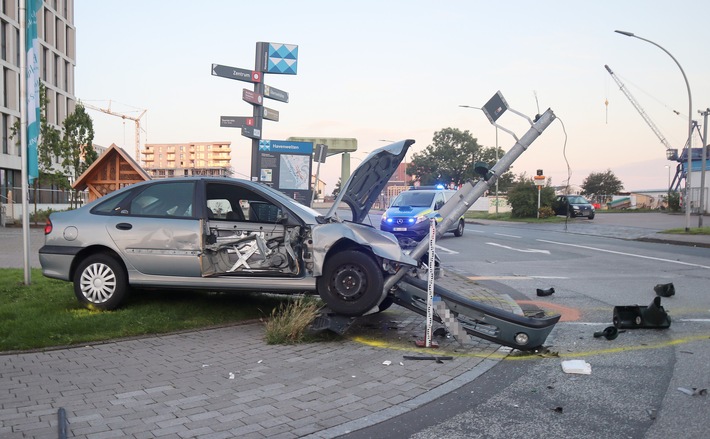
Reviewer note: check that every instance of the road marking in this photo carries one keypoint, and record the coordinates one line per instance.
(509, 236)
(625, 254)
(499, 277)
(446, 250)
(522, 250)
(567, 314)
(549, 277)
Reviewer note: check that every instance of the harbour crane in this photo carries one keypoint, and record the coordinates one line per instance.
(671, 153)
(124, 116)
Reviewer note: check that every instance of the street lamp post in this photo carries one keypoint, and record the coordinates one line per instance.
(690, 127)
(478, 108)
(668, 195)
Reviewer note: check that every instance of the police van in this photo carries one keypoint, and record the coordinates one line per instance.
(407, 216)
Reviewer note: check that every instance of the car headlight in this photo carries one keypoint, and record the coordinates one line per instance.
(575, 207)
(384, 217)
(419, 219)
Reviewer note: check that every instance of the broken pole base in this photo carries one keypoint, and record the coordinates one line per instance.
(422, 344)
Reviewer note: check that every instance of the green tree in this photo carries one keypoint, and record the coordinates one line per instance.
(48, 146)
(450, 158)
(522, 197)
(77, 151)
(601, 185)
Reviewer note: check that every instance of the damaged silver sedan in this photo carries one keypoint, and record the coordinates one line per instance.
(224, 234)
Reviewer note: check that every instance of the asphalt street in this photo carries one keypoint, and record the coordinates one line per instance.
(227, 382)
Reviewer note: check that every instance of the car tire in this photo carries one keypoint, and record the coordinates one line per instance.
(100, 282)
(591, 216)
(459, 228)
(351, 283)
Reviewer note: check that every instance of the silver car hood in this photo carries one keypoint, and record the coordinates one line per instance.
(363, 187)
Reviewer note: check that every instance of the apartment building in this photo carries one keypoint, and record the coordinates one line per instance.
(57, 35)
(163, 160)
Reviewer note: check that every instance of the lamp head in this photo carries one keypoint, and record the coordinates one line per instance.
(482, 169)
(628, 34)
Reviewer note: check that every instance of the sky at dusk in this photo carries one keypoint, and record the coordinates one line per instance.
(392, 70)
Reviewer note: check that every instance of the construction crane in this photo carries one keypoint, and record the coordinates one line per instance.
(124, 116)
(671, 153)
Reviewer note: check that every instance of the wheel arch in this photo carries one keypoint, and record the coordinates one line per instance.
(91, 251)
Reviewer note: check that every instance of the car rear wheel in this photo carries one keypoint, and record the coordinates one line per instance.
(351, 283)
(100, 282)
(459, 228)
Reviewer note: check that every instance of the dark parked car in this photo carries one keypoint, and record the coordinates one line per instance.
(225, 234)
(575, 205)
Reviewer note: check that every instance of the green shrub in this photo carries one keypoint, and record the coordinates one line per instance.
(288, 323)
(674, 202)
(546, 212)
(523, 199)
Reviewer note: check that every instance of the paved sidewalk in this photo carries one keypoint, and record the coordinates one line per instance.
(226, 383)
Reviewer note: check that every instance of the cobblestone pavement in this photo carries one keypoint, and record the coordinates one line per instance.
(227, 382)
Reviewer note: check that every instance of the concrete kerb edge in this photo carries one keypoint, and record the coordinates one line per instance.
(407, 406)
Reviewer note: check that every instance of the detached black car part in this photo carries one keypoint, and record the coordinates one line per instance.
(652, 316)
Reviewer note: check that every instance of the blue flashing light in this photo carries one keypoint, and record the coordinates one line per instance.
(440, 186)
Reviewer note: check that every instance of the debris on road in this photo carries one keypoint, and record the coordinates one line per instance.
(579, 367)
(664, 290)
(610, 333)
(694, 392)
(548, 292)
(653, 316)
(419, 357)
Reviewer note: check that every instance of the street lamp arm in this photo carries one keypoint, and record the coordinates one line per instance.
(689, 169)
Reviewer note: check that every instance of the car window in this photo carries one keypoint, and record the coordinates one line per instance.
(414, 199)
(230, 202)
(172, 199)
(112, 204)
(439, 201)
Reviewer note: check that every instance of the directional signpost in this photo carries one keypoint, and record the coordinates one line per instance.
(236, 73)
(275, 94)
(270, 114)
(236, 121)
(275, 58)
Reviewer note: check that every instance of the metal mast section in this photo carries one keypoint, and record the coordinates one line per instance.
(124, 116)
(671, 153)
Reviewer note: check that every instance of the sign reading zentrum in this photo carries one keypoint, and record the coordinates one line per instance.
(286, 166)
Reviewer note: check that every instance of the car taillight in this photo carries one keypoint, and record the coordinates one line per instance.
(48, 227)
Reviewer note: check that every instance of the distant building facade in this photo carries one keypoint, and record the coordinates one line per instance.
(57, 38)
(164, 160)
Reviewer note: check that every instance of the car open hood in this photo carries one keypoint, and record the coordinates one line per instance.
(366, 183)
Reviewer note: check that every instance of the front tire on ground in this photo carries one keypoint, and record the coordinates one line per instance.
(100, 282)
(459, 228)
(351, 283)
(591, 215)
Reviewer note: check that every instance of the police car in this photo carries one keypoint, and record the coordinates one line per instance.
(407, 216)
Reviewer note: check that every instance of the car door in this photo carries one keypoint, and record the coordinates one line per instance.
(157, 231)
(247, 234)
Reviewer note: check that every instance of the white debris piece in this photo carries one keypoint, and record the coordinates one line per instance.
(577, 366)
(387, 362)
(231, 375)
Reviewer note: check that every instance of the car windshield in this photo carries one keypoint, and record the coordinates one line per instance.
(578, 200)
(414, 199)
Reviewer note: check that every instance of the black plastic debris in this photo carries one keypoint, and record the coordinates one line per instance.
(610, 333)
(548, 292)
(664, 290)
(440, 332)
(419, 357)
(653, 316)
